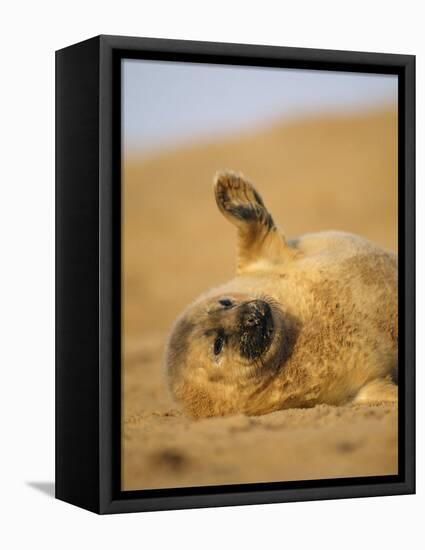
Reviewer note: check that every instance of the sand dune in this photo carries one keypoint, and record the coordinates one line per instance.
(328, 172)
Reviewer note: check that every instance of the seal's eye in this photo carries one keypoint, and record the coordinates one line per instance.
(218, 345)
(225, 303)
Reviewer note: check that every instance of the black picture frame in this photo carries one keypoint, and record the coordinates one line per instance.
(88, 273)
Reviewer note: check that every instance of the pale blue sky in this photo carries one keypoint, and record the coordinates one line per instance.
(167, 103)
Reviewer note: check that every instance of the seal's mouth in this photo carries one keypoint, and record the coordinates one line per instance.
(256, 329)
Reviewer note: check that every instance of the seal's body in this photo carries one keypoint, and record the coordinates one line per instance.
(308, 321)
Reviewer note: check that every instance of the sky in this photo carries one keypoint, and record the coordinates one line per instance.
(165, 104)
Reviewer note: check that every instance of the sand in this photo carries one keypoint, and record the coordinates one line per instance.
(327, 172)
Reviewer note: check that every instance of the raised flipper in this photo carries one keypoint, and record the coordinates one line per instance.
(377, 391)
(261, 246)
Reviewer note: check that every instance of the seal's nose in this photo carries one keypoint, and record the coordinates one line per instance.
(253, 313)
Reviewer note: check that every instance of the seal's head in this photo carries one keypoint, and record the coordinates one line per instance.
(220, 349)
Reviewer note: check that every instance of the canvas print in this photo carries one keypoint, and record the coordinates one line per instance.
(259, 275)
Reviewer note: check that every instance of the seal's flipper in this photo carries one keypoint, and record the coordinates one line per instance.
(378, 390)
(260, 243)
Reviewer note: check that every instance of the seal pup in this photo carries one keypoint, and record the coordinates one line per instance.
(305, 321)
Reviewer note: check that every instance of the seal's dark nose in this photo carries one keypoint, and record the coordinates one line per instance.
(256, 328)
(254, 313)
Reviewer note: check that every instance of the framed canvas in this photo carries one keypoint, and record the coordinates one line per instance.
(235, 243)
